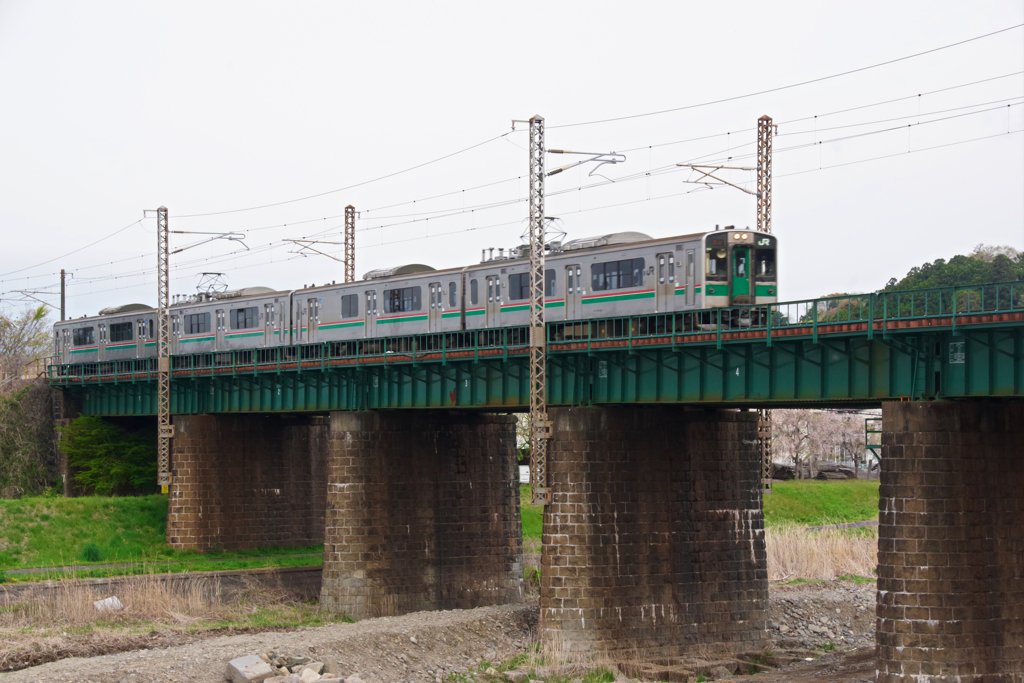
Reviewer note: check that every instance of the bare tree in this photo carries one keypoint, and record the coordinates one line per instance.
(23, 338)
(806, 437)
(28, 457)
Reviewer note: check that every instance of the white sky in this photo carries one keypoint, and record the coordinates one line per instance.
(109, 108)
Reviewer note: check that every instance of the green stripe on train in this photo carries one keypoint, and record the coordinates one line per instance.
(619, 297)
(336, 326)
(406, 319)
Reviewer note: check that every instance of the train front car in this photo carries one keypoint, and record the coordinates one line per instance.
(740, 268)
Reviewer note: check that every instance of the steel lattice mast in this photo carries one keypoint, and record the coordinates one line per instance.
(163, 409)
(350, 243)
(540, 428)
(764, 224)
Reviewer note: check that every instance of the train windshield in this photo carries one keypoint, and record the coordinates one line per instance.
(765, 263)
(717, 263)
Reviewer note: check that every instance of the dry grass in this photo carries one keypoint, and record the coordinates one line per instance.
(794, 553)
(149, 598)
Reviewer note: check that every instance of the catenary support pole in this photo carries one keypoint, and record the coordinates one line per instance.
(350, 243)
(165, 430)
(62, 309)
(540, 427)
(764, 224)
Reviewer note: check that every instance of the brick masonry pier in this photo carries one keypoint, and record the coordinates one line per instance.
(247, 481)
(422, 512)
(951, 543)
(655, 538)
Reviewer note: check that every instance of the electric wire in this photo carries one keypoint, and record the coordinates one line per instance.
(348, 187)
(792, 85)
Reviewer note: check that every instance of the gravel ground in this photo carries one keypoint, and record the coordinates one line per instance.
(831, 624)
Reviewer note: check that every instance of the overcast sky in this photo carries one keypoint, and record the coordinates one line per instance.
(110, 108)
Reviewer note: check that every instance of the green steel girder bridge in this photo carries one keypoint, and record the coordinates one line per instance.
(859, 350)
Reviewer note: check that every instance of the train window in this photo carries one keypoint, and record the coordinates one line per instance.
(401, 300)
(245, 318)
(83, 336)
(518, 286)
(689, 266)
(451, 294)
(716, 263)
(150, 328)
(549, 282)
(349, 305)
(473, 293)
(740, 265)
(490, 289)
(196, 323)
(617, 274)
(120, 332)
(765, 262)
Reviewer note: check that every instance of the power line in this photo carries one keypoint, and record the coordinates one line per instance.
(603, 207)
(482, 207)
(793, 85)
(116, 232)
(349, 187)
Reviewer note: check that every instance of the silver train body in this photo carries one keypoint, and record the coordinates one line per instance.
(618, 275)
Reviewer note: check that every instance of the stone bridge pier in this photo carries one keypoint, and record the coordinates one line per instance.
(951, 543)
(422, 512)
(654, 542)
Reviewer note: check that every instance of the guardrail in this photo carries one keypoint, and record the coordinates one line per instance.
(875, 313)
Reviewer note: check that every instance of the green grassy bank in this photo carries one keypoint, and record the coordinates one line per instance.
(813, 503)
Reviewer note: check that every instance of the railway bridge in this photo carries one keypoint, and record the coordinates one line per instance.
(399, 454)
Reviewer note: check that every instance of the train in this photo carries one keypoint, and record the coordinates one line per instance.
(609, 276)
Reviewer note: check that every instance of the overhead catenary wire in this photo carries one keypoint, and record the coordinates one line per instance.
(348, 187)
(433, 215)
(597, 208)
(792, 85)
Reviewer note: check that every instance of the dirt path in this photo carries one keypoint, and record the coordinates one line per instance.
(830, 623)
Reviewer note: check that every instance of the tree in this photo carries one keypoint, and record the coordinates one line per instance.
(107, 460)
(23, 338)
(806, 437)
(28, 462)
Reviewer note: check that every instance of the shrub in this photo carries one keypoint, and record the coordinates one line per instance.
(91, 553)
(107, 460)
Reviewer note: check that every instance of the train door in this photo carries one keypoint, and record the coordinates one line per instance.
(101, 345)
(269, 320)
(691, 276)
(312, 319)
(435, 307)
(666, 287)
(371, 314)
(740, 273)
(141, 337)
(222, 324)
(573, 292)
(493, 301)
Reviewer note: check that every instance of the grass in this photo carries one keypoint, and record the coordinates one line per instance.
(815, 503)
(794, 552)
(49, 531)
(533, 521)
(198, 604)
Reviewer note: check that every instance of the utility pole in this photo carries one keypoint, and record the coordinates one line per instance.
(540, 427)
(764, 224)
(165, 430)
(350, 243)
(62, 313)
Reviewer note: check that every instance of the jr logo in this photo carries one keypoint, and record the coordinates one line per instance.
(764, 242)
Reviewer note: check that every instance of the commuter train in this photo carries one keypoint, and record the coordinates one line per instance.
(617, 275)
